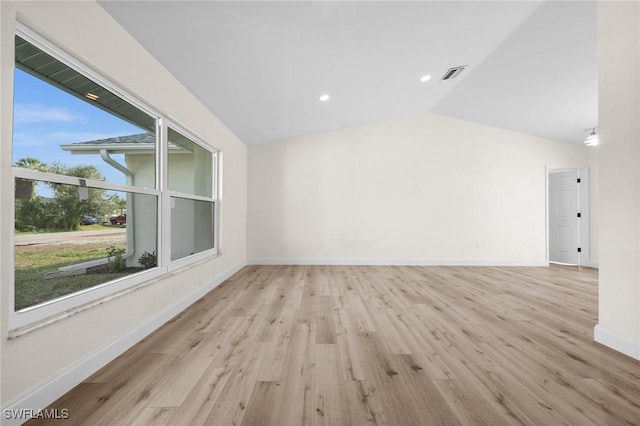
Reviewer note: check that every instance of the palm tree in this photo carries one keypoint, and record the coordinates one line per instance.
(32, 164)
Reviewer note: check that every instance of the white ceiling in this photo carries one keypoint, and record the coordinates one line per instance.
(261, 66)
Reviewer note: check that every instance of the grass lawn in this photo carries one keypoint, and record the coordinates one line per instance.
(94, 227)
(99, 227)
(32, 262)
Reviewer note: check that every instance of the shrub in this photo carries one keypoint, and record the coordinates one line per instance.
(117, 264)
(148, 260)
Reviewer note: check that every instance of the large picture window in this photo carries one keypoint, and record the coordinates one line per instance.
(89, 202)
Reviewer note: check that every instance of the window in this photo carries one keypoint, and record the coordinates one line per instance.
(190, 176)
(88, 201)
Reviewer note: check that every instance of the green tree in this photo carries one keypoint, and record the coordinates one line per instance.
(32, 164)
(32, 214)
(68, 196)
(65, 212)
(113, 204)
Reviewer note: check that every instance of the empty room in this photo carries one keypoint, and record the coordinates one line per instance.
(348, 213)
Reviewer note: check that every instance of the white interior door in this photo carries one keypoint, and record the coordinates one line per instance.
(563, 217)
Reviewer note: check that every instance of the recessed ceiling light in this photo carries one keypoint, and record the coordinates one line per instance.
(324, 98)
(425, 78)
(91, 96)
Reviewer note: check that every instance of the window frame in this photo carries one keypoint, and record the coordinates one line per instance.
(82, 299)
(182, 262)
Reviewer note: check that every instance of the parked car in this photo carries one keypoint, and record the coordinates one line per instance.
(118, 220)
(88, 220)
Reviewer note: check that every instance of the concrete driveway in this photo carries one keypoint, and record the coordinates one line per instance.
(78, 237)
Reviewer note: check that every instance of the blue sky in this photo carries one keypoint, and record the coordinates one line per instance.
(46, 117)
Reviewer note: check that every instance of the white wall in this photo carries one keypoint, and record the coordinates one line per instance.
(619, 168)
(419, 190)
(39, 366)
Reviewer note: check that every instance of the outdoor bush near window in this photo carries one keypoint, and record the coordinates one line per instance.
(89, 209)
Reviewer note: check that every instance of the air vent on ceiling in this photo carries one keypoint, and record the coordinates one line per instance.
(453, 72)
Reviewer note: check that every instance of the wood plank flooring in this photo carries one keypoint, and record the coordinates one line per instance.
(387, 345)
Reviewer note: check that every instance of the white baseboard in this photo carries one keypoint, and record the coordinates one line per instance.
(615, 341)
(394, 262)
(45, 394)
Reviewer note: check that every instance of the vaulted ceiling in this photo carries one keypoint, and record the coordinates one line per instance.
(261, 66)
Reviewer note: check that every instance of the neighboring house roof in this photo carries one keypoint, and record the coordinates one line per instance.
(137, 139)
(141, 143)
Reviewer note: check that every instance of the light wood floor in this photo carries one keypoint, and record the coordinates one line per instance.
(352, 345)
